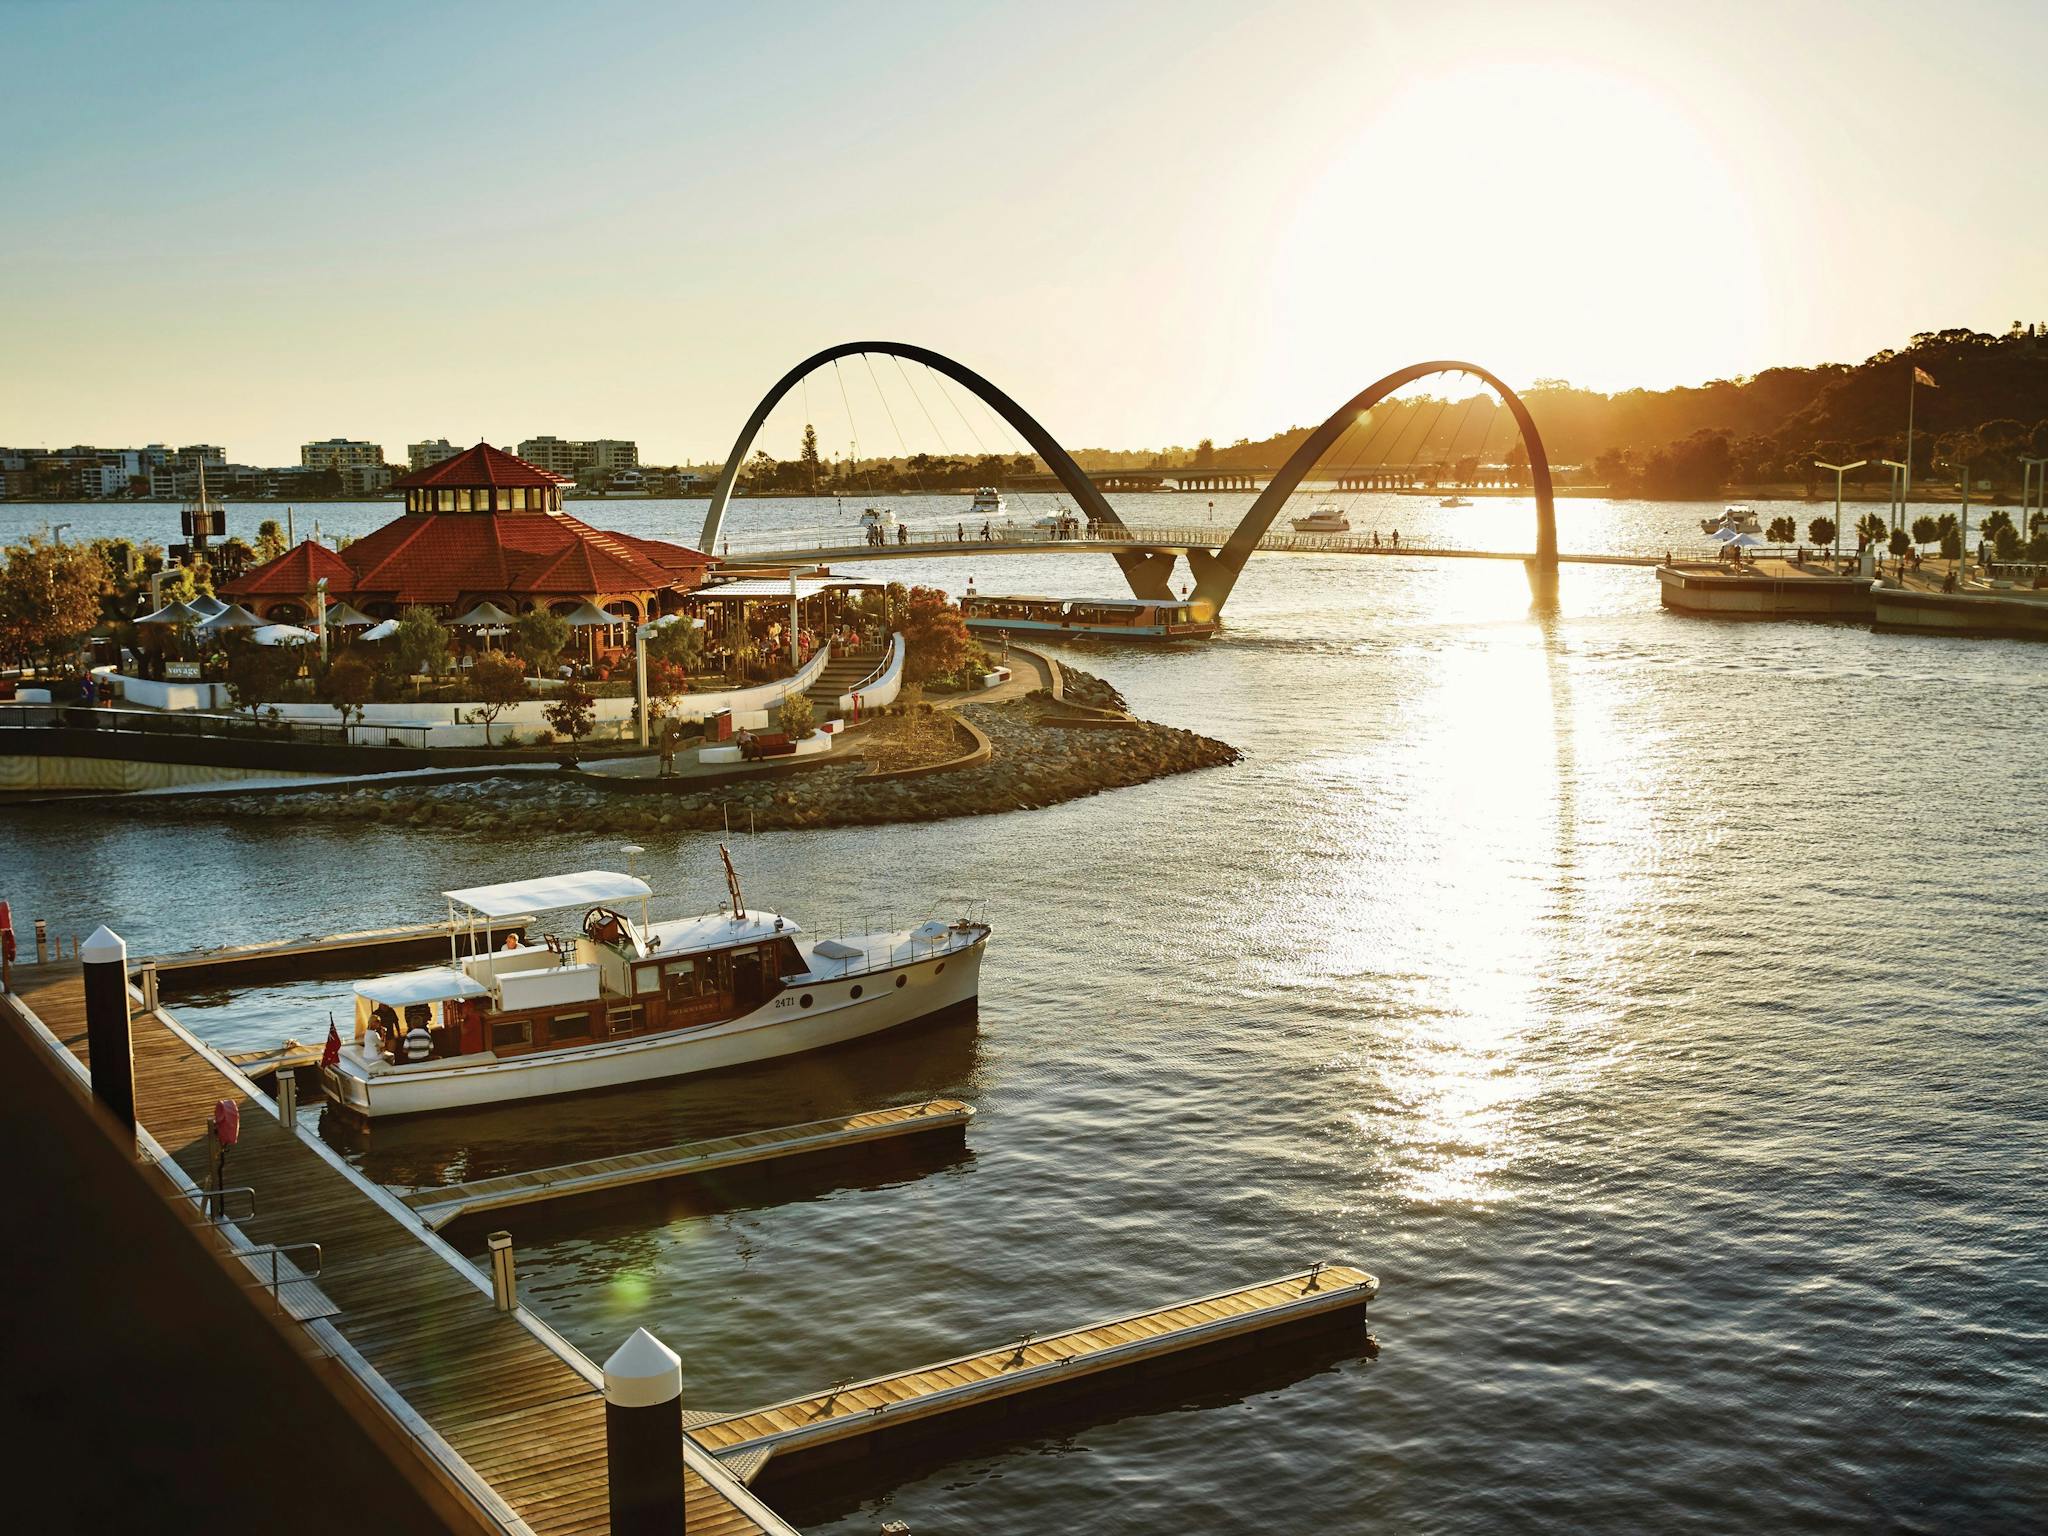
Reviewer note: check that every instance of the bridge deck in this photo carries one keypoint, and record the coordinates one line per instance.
(519, 1409)
(1174, 540)
(1330, 1294)
(438, 1207)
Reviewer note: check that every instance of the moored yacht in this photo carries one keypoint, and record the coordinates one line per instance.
(1326, 518)
(626, 999)
(1738, 518)
(988, 503)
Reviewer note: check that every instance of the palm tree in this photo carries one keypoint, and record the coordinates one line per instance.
(1870, 529)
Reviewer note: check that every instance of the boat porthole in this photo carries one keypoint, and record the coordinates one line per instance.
(804, 1001)
(901, 979)
(854, 993)
(939, 969)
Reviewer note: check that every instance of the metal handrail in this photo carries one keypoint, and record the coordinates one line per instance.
(279, 1252)
(212, 1204)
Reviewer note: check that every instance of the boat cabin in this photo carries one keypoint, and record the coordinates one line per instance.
(621, 975)
(1127, 617)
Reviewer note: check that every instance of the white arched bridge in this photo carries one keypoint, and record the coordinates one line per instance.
(1148, 556)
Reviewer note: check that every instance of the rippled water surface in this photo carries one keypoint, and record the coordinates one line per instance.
(1656, 1006)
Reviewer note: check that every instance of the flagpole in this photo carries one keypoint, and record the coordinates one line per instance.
(1912, 388)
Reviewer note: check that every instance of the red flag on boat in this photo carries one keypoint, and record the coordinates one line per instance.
(1922, 376)
(330, 1054)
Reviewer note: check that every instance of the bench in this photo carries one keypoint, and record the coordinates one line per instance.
(766, 744)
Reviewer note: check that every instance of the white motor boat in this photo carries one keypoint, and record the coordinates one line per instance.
(1325, 519)
(877, 517)
(1738, 518)
(988, 503)
(1454, 501)
(628, 1000)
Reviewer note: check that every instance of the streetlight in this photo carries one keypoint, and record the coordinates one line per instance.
(57, 532)
(2035, 472)
(1840, 470)
(1898, 497)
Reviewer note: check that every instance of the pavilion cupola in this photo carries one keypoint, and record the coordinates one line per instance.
(482, 479)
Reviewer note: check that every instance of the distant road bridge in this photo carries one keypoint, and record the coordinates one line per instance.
(1148, 564)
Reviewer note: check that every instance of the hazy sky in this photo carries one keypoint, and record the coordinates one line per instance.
(256, 224)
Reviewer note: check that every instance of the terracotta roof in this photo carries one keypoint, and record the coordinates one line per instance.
(293, 573)
(477, 468)
(449, 557)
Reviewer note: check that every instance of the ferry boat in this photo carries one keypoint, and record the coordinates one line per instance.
(875, 519)
(988, 503)
(1325, 519)
(627, 1000)
(1738, 518)
(1127, 618)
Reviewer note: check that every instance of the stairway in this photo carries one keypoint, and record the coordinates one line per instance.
(838, 678)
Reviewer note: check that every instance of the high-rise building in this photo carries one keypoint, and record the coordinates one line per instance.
(597, 458)
(339, 453)
(551, 454)
(426, 455)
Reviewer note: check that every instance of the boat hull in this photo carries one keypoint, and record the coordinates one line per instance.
(1105, 631)
(839, 1009)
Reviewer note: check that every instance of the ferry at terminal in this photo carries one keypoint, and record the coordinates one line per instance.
(627, 1000)
(1124, 618)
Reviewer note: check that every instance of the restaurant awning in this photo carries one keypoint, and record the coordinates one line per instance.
(586, 888)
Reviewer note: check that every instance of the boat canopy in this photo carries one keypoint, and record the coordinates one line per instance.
(408, 987)
(586, 888)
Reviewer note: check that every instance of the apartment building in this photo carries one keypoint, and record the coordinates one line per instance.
(339, 453)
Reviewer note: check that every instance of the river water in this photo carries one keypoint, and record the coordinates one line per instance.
(1655, 1005)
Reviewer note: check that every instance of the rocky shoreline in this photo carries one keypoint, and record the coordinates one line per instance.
(1040, 756)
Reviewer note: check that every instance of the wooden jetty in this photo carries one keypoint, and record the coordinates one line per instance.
(504, 1412)
(1325, 1296)
(368, 949)
(438, 1207)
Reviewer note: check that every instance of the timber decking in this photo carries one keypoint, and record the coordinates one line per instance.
(437, 1207)
(499, 1388)
(746, 1441)
(424, 941)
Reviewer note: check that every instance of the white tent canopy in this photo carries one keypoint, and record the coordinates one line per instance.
(485, 612)
(281, 634)
(408, 987)
(586, 888)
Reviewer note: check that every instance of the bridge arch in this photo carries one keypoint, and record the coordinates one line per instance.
(1217, 572)
(1145, 570)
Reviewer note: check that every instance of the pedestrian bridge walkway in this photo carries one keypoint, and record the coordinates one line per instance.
(1011, 539)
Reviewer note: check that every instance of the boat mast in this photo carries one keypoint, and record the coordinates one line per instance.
(732, 884)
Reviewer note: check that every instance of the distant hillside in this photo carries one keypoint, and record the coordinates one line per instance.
(1989, 407)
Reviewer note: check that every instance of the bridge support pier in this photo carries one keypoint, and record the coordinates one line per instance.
(1542, 583)
(1150, 573)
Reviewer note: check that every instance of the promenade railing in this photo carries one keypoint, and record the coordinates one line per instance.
(146, 722)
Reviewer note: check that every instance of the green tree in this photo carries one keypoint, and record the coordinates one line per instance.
(269, 541)
(572, 716)
(499, 683)
(49, 597)
(259, 674)
(934, 635)
(809, 457)
(1870, 529)
(539, 637)
(1205, 453)
(422, 641)
(1996, 522)
(1783, 530)
(1925, 530)
(351, 684)
(1821, 530)
(1901, 543)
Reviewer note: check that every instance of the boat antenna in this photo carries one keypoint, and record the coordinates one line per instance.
(732, 883)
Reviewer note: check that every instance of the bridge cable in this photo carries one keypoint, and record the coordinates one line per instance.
(947, 395)
(910, 384)
(915, 478)
(852, 426)
(1364, 447)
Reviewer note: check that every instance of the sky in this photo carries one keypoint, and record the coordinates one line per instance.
(256, 225)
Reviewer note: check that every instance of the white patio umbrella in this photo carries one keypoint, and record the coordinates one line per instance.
(174, 613)
(341, 616)
(210, 605)
(1744, 541)
(587, 615)
(1724, 533)
(231, 616)
(382, 631)
(282, 634)
(483, 616)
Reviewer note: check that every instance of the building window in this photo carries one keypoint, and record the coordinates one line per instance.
(682, 982)
(511, 1035)
(568, 1026)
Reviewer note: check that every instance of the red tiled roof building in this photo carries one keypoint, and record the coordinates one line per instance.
(482, 525)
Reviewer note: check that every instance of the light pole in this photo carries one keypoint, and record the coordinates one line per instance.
(2035, 474)
(1898, 496)
(1840, 470)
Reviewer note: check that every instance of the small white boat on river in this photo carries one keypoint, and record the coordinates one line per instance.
(628, 1000)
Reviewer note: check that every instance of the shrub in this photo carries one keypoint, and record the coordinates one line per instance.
(351, 684)
(1821, 530)
(572, 714)
(795, 717)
